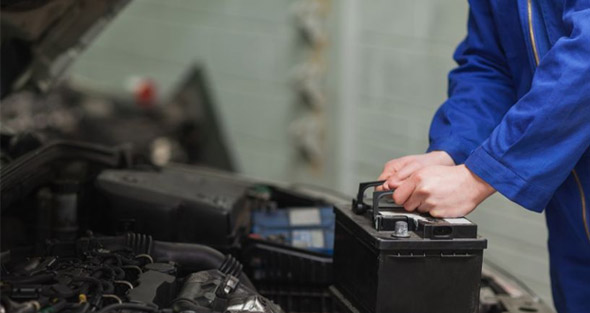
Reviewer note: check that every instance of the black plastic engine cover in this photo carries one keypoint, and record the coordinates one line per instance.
(175, 205)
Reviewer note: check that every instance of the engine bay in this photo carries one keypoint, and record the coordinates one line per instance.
(70, 212)
(86, 228)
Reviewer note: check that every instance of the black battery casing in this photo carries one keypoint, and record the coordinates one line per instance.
(424, 273)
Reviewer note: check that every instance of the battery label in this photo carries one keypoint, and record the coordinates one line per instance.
(304, 216)
(414, 216)
(308, 239)
(458, 221)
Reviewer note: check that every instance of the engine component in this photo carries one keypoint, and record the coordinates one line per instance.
(377, 269)
(153, 287)
(128, 273)
(66, 209)
(220, 292)
(167, 204)
(39, 167)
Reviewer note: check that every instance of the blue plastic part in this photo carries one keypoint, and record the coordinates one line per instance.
(310, 228)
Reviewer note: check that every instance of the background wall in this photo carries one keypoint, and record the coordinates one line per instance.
(387, 66)
(248, 49)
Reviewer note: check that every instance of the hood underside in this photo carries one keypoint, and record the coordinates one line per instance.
(41, 38)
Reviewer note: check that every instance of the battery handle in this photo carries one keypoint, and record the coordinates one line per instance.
(358, 205)
(377, 196)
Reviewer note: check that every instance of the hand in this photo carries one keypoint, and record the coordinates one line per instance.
(397, 170)
(444, 191)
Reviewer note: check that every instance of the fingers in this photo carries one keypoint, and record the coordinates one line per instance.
(388, 169)
(408, 170)
(384, 175)
(400, 169)
(418, 200)
(403, 192)
(413, 194)
(393, 166)
(442, 191)
(385, 186)
(425, 206)
(398, 177)
(413, 203)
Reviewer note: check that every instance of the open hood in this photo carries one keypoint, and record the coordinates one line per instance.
(41, 38)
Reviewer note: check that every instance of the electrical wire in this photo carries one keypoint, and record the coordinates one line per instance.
(127, 306)
(124, 282)
(134, 267)
(112, 296)
(147, 256)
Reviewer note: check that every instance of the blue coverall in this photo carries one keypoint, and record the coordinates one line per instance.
(518, 116)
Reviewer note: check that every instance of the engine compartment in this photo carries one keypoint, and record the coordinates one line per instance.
(87, 228)
(130, 272)
(70, 212)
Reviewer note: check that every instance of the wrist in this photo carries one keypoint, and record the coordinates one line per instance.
(442, 158)
(482, 190)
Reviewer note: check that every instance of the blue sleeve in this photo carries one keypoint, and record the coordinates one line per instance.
(542, 137)
(480, 89)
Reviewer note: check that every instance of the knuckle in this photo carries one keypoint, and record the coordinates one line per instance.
(392, 182)
(387, 183)
(414, 164)
(429, 203)
(424, 189)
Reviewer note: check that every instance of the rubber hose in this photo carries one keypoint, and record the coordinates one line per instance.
(193, 257)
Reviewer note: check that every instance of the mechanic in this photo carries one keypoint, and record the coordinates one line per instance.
(517, 121)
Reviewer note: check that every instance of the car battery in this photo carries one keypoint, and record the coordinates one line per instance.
(309, 228)
(387, 260)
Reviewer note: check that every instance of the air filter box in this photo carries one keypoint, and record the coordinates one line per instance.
(174, 204)
(387, 260)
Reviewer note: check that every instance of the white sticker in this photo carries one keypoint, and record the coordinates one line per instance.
(408, 214)
(458, 221)
(304, 216)
(308, 238)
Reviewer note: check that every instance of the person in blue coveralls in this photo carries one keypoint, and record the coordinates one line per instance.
(517, 121)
